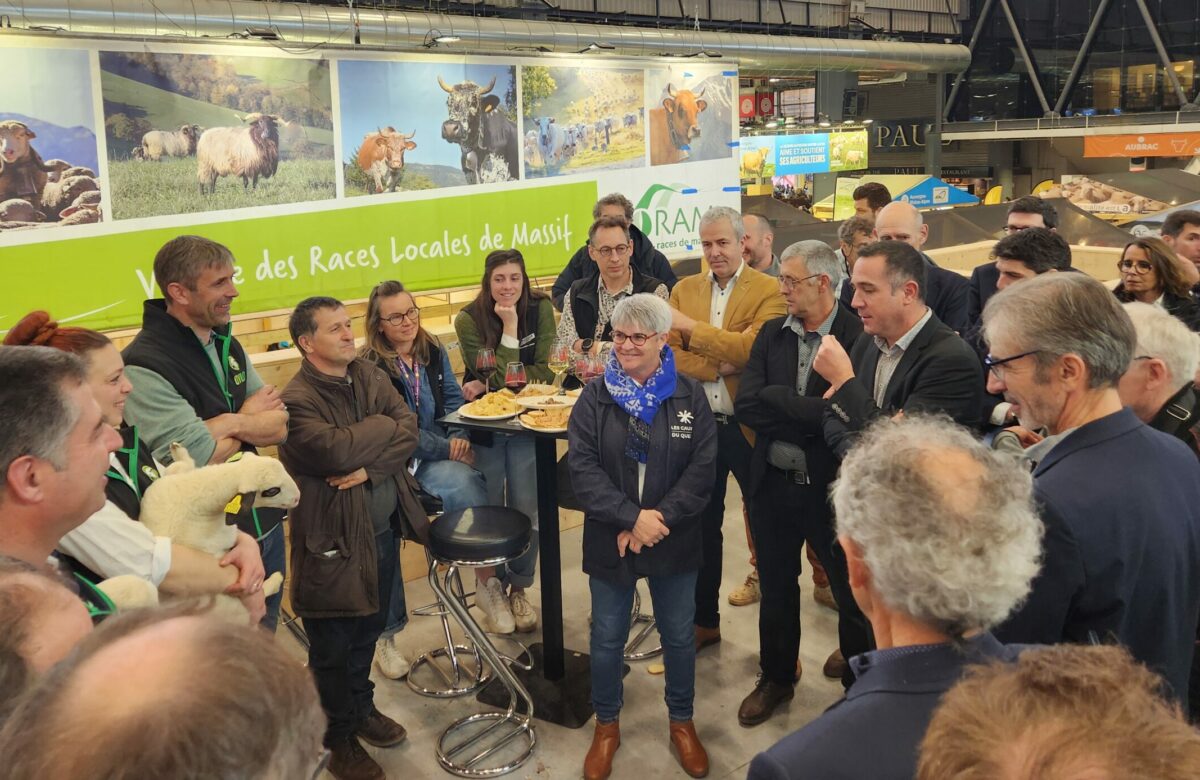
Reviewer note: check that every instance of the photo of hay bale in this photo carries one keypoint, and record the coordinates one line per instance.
(195, 132)
(48, 156)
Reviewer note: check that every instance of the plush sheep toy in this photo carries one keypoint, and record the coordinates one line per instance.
(194, 507)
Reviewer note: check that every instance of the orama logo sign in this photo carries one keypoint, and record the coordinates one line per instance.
(669, 218)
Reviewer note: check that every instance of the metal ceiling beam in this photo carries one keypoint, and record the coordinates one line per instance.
(335, 28)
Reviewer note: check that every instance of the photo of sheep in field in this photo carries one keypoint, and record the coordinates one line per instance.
(48, 156)
(196, 132)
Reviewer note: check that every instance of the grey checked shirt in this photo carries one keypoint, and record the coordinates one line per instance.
(891, 356)
(784, 454)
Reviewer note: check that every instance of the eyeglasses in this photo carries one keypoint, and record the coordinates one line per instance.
(638, 339)
(994, 363)
(607, 251)
(412, 315)
(789, 284)
(322, 763)
(1138, 267)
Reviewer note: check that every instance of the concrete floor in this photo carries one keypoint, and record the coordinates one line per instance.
(725, 673)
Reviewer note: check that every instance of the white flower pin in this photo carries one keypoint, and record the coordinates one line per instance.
(685, 417)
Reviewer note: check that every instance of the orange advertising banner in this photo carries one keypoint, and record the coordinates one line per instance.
(1143, 145)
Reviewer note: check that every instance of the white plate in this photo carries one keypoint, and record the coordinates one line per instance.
(486, 417)
(542, 401)
(540, 430)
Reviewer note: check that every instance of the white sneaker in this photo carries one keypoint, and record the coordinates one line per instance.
(391, 661)
(497, 615)
(522, 610)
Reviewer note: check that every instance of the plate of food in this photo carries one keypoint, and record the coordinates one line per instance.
(493, 406)
(546, 420)
(550, 401)
(536, 389)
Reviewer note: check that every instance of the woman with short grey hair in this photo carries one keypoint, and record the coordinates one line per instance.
(642, 455)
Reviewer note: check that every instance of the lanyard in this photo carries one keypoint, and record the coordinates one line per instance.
(412, 378)
(222, 373)
(131, 466)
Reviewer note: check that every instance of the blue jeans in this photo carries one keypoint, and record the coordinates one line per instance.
(459, 486)
(511, 473)
(674, 609)
(274, 558)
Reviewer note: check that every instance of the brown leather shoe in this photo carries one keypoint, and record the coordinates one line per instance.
(835, 665)
(598, 763)
(380, 730)
(763, 700)
(348, 761)
(706, 637)
(687, 748)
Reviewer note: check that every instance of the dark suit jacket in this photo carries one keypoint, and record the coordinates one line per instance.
(939, 372)
(948, 294)
(875, 731)
(768, 403)
(982, 287)
(1121, 505)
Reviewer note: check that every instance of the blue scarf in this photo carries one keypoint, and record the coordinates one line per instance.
(640, 403)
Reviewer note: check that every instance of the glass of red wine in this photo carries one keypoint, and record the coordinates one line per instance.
(514, 377)
(485, 365)
(593, 368)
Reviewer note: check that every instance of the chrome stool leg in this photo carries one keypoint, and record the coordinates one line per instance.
(651, 625)
(464, 757)
(465, 677)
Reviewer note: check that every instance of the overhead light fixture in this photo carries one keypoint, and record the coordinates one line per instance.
(447, 39)
(823, 120)
(434, 37)
(847, 121)
(264, 33)
(774, 80)
(867, 121)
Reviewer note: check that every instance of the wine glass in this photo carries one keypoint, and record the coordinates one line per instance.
(485, 366)
(560, 360)
(593, 367)
(514, 377)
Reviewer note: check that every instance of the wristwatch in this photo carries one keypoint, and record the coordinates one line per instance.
(586, 345)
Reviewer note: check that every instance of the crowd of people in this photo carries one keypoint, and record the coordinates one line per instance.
(994, 479)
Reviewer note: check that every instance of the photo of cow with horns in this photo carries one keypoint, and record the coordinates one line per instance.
(486, 135)
(692, 117)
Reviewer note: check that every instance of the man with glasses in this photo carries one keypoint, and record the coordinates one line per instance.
(642, 256)
(588, 305)
(781, 399)
(1120, 501)
(1023, 214)
(714, 320)
(907, 360)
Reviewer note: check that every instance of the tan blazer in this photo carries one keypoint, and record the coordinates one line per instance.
(754, 300)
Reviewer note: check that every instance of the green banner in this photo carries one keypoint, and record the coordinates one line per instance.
(427, 244)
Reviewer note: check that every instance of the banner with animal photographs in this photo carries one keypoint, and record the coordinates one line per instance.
(48, 177)
(463, 121)
(201, 132)
(323, 172)
(582, 119)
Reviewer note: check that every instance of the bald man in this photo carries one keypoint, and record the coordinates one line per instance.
(162, 693)
(758, 250)
(947, 292)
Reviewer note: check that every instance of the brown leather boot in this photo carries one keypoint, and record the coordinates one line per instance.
(687, 748)
(598, 763)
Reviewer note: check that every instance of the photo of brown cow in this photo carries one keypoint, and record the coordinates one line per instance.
(690, 114)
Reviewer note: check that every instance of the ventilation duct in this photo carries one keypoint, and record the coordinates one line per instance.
(334, 27)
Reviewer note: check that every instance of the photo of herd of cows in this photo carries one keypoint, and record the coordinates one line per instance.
(582, 119)
(192, 132)
(421, 125)
(48, 157)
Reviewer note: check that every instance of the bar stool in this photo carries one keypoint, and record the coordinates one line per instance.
(481, 536)
(632, 653)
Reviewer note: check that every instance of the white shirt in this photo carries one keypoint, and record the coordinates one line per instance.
(718, 394)
(111, 543)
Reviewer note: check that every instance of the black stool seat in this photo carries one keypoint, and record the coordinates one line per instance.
(481, 533)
